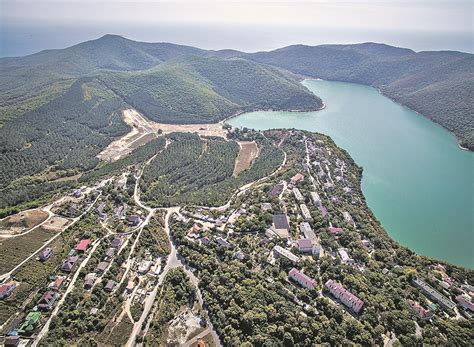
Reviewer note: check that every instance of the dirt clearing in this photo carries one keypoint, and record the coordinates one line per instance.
(142, 132)
(22, 221)
(214, 129)
(247, 154)
(56, 223)
(145, 130)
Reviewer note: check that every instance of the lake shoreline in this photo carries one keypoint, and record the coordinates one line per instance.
(383, 148)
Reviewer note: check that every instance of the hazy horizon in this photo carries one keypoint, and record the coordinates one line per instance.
(30, 26)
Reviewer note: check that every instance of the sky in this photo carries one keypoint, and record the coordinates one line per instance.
(27, 26)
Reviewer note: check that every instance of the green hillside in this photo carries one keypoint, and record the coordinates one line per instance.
(438, 85)
(60, 108)
(198, 89)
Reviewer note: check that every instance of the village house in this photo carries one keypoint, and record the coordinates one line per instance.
(47, 300)
(30, 323)
(297, 178)
(82, 245)
(45, 253)
(110, 285)
(279, 251)
(194, 232)
(100, 211)
(103, 265)
(266, 206)
(6, 289)
(130, 287)
(57, 283)
(347, 217)
(223, 242)
(323, 211)
(144, 266)
(345, 259)
(133, 220)
(109, 253)
(69, 263)
(240, 255)
(305, 212)
(280, 226)
(205, 241)
(346, 297)
(301, 278)
(116, 242)
(89, 280)
(419, 310)
(277, 189)
(305, 246)
(335, 231)
(120, 211)
(298, 195)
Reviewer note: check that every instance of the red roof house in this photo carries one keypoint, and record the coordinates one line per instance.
(297, 178)
(301, 278)
(335, 231)
(82, 245)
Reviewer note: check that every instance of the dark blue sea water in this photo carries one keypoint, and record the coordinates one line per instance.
(17, 39)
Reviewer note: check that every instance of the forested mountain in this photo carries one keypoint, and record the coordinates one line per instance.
(60, 108)
(207, 89)
(439, 85)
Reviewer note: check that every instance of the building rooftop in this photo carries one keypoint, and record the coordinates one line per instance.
(280, 222)
(82, 245)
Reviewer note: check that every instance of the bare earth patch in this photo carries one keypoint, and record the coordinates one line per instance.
(141, 133)
(22, 221)
(247, 154)
(56, 223)
(145, 130)
(213, 129)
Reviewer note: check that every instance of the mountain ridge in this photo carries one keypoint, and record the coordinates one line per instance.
(436, 84)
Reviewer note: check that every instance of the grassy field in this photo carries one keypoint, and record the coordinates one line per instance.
(16, 249)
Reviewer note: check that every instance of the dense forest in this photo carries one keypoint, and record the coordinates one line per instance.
(199, 171)
(58, 139)
(203, 90)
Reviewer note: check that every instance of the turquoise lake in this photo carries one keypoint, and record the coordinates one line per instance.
(416, 180)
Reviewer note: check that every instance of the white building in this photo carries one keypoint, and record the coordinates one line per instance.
(305, 212)
(308, 232)
(281, 252)
(298, 195)
(344, 256)
(315, 197)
